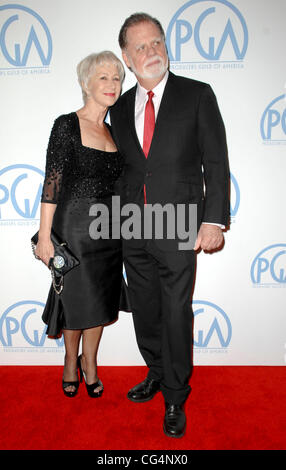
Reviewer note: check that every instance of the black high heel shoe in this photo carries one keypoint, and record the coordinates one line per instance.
(74, 384)
(90, 388)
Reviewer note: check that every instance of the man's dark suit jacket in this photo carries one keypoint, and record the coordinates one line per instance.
(187, 162)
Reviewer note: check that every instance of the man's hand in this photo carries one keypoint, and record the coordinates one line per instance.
(210, 237)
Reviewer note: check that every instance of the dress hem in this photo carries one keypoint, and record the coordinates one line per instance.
(104, 323)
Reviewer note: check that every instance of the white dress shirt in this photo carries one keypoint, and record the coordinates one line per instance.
(141, 99)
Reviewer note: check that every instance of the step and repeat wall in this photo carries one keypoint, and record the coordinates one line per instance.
(238, 48)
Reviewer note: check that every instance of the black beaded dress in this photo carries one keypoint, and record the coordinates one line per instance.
(77, 178)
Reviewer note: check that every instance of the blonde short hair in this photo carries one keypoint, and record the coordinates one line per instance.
(87, 67)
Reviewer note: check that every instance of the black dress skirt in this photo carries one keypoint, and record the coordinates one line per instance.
(80, 180)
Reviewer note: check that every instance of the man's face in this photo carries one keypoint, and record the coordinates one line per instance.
(145, 52)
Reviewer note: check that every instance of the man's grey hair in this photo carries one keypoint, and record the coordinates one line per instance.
(133, 20)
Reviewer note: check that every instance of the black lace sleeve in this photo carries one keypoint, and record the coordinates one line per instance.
(58, 150)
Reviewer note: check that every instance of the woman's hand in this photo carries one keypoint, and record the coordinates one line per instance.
(45, 250)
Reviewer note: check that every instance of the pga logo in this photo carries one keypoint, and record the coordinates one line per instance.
(207, 30)
(25, 39)
(235, 196)
(273, 120)
(21, 326)
(269, 266)
(212, 327)
(20, 192)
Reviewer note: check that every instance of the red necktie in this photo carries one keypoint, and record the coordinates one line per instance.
(149, 126)
(149, 123)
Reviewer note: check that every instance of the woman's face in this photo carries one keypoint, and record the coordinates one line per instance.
(104, 85)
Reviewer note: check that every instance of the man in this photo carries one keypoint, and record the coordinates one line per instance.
(174, 145)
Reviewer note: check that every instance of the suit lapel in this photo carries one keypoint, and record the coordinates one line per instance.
(166, 109)
(131, 119)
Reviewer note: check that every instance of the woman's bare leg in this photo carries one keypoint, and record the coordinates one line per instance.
(72, 339)
(90, 342)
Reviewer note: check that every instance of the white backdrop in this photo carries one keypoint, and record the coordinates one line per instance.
(237, 47)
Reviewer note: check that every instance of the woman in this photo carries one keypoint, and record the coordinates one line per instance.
(82, 167)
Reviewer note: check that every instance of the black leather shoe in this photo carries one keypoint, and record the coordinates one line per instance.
(174, 421)
(144, 391)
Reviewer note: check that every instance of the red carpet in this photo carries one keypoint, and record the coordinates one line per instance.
(229, 408)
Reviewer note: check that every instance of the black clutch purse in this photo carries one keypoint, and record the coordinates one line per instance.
(62, 262)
